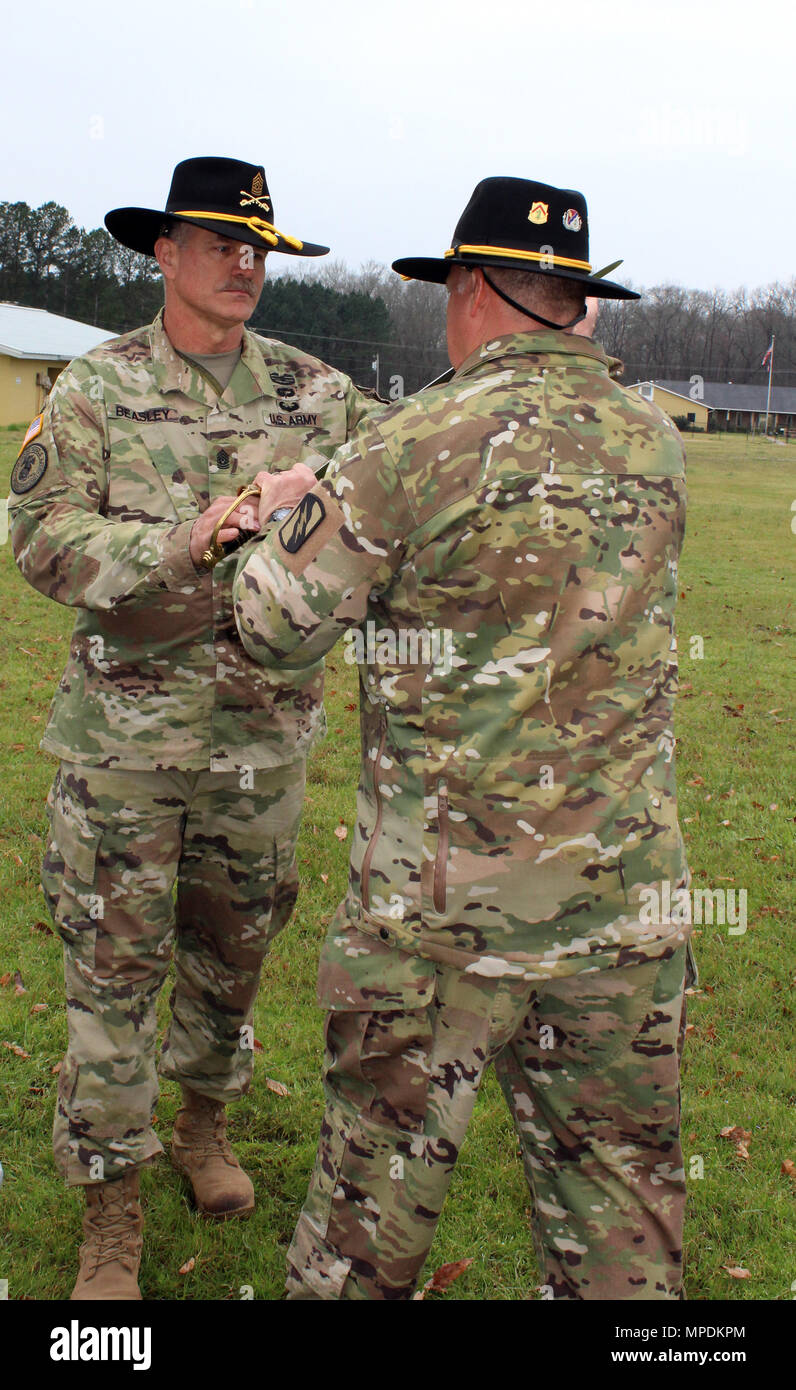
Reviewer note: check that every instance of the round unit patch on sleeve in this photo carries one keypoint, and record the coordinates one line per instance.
(301, 523)
(29, 468)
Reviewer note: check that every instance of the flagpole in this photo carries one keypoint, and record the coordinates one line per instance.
(770, 370)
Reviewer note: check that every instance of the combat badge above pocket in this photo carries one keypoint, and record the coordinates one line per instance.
(29, 469)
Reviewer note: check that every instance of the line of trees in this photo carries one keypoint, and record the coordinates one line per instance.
(672, 333)
(352, 318)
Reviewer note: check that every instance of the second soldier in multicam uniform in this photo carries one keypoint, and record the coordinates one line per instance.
(515, 795)
(175, 810)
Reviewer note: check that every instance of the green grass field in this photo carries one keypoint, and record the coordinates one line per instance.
(734, 749)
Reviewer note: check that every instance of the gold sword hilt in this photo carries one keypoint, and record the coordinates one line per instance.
(215, 551)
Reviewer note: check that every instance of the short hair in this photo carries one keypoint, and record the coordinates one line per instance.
(553, 295)
(174, 229)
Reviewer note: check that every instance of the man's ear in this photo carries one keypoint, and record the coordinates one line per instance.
(166, 252)
(479, 291)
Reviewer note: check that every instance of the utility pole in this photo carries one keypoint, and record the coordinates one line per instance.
(770, 357)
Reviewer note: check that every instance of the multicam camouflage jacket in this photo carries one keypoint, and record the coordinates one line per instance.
(135, 442)
(507, 543)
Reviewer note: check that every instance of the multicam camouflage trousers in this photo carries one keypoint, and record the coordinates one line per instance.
(589, 1065)
(138, 862)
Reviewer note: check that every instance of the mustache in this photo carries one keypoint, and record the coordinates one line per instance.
(242, 286)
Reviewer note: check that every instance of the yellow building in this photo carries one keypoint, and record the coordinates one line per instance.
(34, 347)
(672, 403)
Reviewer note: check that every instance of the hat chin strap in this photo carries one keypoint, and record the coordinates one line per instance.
(548, 323)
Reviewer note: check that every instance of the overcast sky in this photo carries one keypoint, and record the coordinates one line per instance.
(375, 121)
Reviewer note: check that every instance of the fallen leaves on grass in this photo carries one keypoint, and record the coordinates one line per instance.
(341, 831)
(43, 927)
(443, 1277)
(738, 1137)
(5, 979)
(19, 983)
(278, 1087)
(737, 1271)
(16, 1049)
(56, 1069)
(258, 1047)
(38, 1008)
(735, 1133)
(324, 878)
(188, 1266)
(788, 1168)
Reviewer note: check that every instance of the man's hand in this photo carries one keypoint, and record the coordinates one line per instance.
(203, 528)
(283, 489)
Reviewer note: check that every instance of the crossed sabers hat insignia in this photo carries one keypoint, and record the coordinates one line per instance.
(246, 200)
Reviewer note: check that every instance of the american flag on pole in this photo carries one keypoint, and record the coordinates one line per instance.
(767, 359)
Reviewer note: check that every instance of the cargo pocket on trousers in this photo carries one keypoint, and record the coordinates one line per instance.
(69, 871)
(378, 1045)
(379, 1031)
(286, 886)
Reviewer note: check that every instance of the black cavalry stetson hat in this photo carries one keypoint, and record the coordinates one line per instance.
(521, 225)
(223, 195)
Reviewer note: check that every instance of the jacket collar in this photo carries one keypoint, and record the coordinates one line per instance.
(547, 344)
(249, 381)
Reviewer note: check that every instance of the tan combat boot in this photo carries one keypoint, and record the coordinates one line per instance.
(201, 1153)
(111, 1253)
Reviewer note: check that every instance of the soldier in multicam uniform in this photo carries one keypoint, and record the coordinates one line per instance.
(517, 787)
(175, 810)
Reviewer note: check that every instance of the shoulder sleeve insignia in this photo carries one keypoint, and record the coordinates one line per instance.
(301, 523)
(34, 428)
(29, 469)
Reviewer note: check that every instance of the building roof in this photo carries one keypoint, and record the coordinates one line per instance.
(38, 334)
(729, 395)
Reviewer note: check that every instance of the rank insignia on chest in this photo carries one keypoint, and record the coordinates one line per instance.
(29, 469)
(301, 523)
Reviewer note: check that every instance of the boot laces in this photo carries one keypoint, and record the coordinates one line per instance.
(114, 1236)
(208, 1137)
